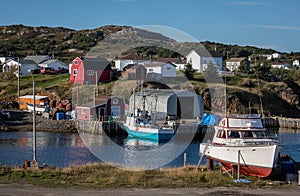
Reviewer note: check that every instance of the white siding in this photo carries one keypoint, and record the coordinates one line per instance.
(194, 59)
(200, 63)
(168, 70)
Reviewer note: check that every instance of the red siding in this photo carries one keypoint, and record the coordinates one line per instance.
(83, 78)
(73, 67)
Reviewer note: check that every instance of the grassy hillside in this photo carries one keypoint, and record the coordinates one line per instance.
(243, 94)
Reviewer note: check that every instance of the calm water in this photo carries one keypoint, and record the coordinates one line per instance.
(66, 149)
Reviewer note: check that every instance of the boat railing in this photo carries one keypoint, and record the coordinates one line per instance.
(243, 115)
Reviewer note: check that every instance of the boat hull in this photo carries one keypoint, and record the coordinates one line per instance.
(38, 109)
(253, 160)
(157, 134)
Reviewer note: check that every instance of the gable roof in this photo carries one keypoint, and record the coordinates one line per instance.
(206, 53)
(236, 59)
(157, 64)
(25, 61)
(95, 63)
(132, 66)
(133, 56)
(172, 60)
(38, 58)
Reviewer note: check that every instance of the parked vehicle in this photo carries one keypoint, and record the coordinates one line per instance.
(48, 70)
(62, 71)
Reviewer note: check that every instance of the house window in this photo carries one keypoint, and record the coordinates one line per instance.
(76, 62)
(75, 72)
(90, 72)
(168, 68)
(115, 101)
(115, 111)
(150, 70)
(83, 111)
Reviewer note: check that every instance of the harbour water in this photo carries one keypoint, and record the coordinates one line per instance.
(67, 149)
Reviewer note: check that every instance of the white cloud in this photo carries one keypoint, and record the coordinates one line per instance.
(277, 27)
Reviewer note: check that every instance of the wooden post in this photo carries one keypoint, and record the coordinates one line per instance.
(238, 169)
(209, 164)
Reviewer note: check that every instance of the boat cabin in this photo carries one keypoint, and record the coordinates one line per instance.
(243, 134)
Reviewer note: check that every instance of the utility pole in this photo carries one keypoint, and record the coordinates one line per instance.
(34, 161)
(18, 79)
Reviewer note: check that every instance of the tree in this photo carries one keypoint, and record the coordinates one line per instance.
(189, 71)
(263, 72)
(243, 67)
(211, 73)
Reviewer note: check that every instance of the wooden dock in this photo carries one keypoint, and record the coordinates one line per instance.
(100, 127)
(293, 123)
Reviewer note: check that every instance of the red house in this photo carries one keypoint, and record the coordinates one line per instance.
(88, 70)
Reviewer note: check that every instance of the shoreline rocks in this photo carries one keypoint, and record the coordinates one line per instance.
(23, 121)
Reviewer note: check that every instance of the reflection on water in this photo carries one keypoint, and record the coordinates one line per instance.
(55, 149)
(66, 149)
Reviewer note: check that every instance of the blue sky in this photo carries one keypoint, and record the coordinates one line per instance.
(264, 23)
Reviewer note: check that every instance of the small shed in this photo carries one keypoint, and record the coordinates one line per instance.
(181, 103)
(39, 101)
(102, 109)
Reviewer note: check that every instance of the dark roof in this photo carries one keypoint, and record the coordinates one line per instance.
(134, 66)
(38, 58)
(24, 61)
(172, 60)
(207, 53)
(157, 64)
(133, 56)
(95, 63)
(236, 59)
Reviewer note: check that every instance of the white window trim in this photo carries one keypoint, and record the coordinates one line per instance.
(75, 71)
(90, 72)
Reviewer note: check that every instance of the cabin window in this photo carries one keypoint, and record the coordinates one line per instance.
(83, 111)
(115, 111)
(115, 101)
(75, 72)
(22, 102)
(168, 68)
(248, 134)
(150, 70)
(76, 62)
(221, 134)
(234, 134)
(260, 134)
(90, 72)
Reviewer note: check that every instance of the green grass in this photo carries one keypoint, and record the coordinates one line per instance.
(105, 176)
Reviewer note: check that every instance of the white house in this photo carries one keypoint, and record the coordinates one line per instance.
(276, 55)
(201, 59)
(9, 64)
(273, 56)
(55, 64)
(233, 64)
(296, 63)
(27, 65)
(4, 59)
(38, 58)
(160, 69)
(179, 62)
(131, 58)
(280, 65)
